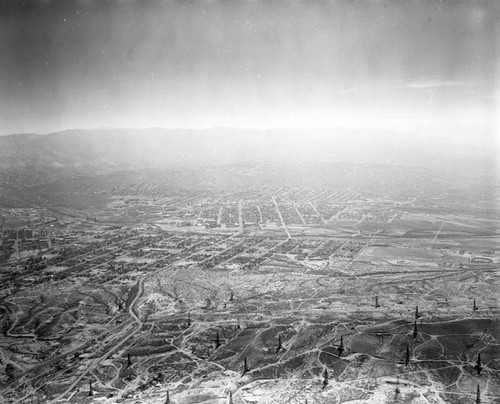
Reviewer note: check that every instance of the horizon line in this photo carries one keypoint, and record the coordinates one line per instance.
(212, 128)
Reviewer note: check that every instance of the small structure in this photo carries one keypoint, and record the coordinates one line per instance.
(478, 365)
(325, 378)
(278, 348)
(217, 341)
(341, 346)
(246, 369)
(407, 356)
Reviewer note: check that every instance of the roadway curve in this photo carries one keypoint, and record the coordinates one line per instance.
(133, 314)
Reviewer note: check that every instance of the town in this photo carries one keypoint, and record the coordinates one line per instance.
(172, 292)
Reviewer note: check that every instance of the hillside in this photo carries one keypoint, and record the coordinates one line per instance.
(119, 149)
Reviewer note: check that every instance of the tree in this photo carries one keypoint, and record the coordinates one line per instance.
(10, 371)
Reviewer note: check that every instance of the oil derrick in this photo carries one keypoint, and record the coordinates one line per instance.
(341, 346)
(478, 395)
(417, 316)
(278, 348)
(216, 341)
(230, 398)
(91, 390)
(415, 330)
(167, 400)
(246, 369)
(325, 378)
(376, 302)
(189, 320)
(129, 361)
(478, 365)
(407, 356)
(474, 306)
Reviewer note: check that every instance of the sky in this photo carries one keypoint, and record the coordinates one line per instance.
(415, 66)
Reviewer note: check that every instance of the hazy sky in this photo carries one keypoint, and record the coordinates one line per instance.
(422, 66)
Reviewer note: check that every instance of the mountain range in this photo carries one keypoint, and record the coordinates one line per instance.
(107, 150)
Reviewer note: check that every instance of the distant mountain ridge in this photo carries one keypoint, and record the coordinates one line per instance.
(127, 149)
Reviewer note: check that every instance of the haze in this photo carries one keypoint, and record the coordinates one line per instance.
(421, 67)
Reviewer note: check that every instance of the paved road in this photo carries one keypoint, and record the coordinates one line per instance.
(281, 218)
(113, 348)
